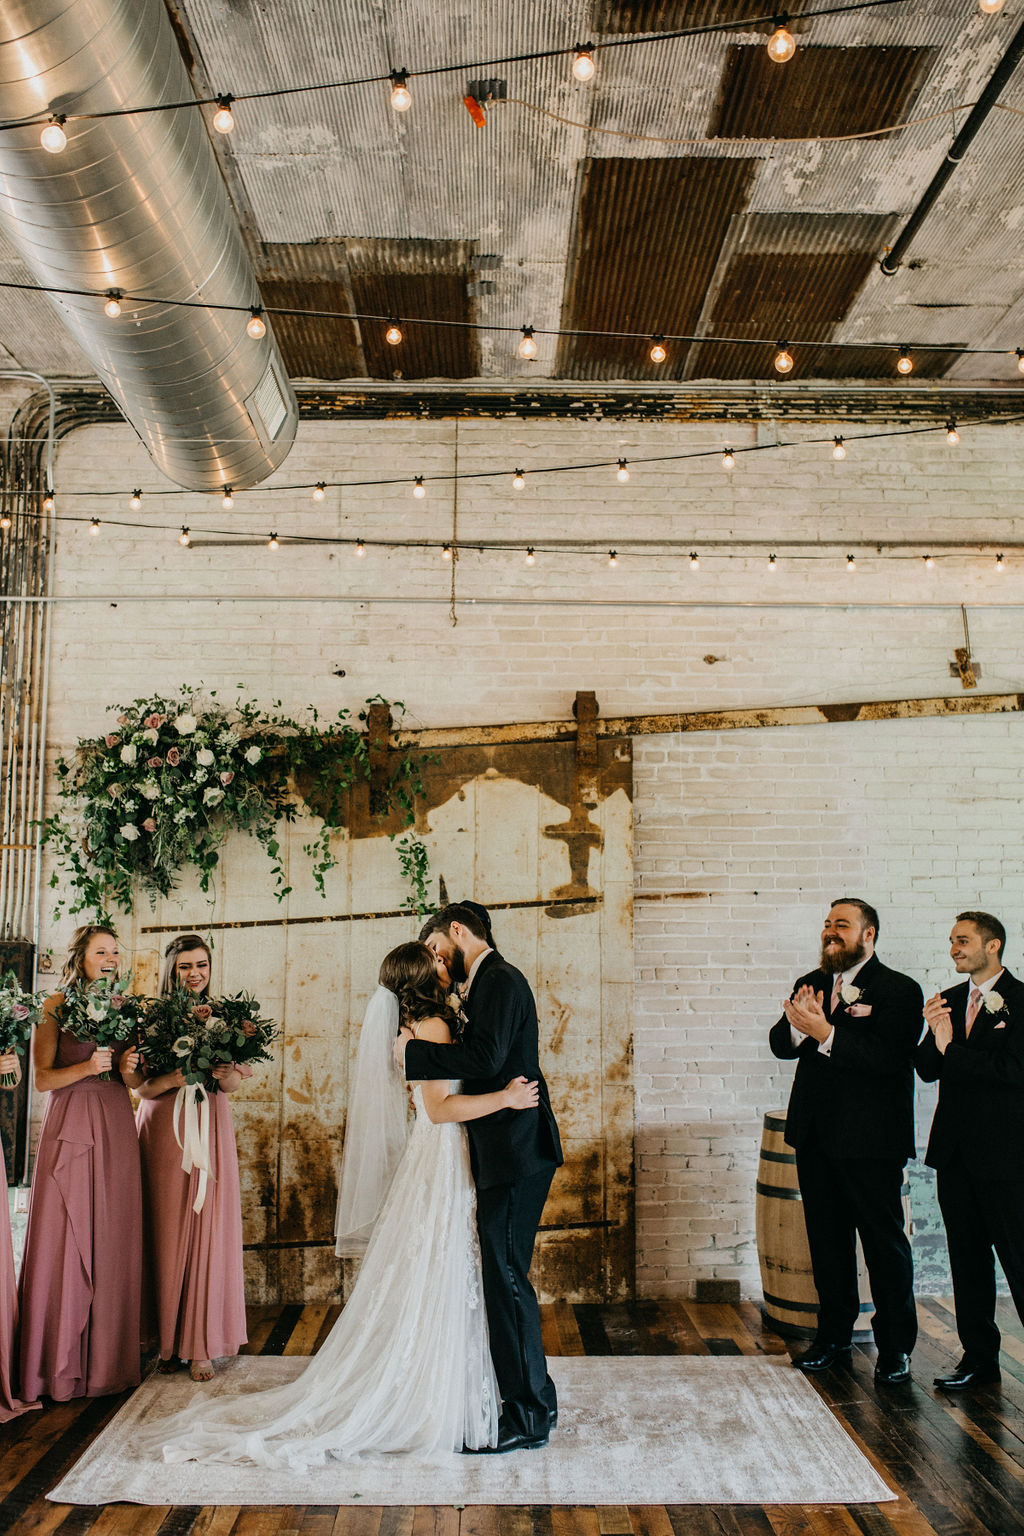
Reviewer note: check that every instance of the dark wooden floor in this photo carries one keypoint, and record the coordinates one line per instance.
(958, 1464)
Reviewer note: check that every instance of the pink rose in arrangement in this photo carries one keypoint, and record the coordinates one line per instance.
(248, 1028)
(19, 1011)
(201, 1012)
(122, 719)
(226, 778)
(154, 722)
(149, 825)
(155, 762)
(116, 1001)
(112, 741)
(173, 757)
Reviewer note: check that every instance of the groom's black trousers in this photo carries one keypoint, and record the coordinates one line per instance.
(507, 1218)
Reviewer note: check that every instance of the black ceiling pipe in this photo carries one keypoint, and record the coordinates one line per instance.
(890, 263)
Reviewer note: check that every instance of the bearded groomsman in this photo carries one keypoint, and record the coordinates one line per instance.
(974, 1047)
(852, 1026)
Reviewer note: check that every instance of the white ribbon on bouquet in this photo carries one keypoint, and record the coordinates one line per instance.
(194, 1100)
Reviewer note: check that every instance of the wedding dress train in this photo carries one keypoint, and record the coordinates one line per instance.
(406, 1368)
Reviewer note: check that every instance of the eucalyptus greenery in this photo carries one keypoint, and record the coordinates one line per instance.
(162, 790)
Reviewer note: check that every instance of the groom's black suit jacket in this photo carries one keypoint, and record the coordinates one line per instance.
(980, 1113)
(857, 1102)
(499, 1042)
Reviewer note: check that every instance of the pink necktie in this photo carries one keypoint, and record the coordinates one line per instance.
(836, 993)
(973, 1007)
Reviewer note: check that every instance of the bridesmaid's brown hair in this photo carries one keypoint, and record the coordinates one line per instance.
(74, 965)
(181, 946)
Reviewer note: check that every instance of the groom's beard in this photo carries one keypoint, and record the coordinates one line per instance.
(457, 968)
(839, 955)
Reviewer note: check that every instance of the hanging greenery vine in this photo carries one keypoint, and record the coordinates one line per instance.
(164, 788)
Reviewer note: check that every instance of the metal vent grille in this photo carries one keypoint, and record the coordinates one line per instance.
(267, 405)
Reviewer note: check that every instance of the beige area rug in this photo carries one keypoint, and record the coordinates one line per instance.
(632, 1430)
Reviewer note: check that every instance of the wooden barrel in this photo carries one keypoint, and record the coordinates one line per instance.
(790, 1300)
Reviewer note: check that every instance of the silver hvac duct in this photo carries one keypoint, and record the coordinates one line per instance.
(138, 203)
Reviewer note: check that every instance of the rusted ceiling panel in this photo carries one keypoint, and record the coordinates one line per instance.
(867, 363)
(821, 91)
(647, 237)
(426, 351)
(312, 276)
(623, 17)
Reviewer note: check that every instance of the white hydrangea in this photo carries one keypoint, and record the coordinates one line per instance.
(185, 724)
(205, 757)
(151, 789)
(129, 832)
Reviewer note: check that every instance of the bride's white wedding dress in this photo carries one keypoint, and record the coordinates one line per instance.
(406, 1368)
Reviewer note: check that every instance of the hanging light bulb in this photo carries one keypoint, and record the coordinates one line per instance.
(838, 448)
(782, 43)
(136, 500)
(419, 490)
(94, 526)
(272, 541)
(222, 118)
(319, 491)
(771, 562)
(518, 480)
(622, 473)
(783, 360)
(53, 137)
(851, 564)
(256, 326)
(401, 96)
(657, 353)
(227, 500)
(991, 7)
(184, 537)
(952, 435)
(1020, 359)
(360, 549)
(446, 552)
(904, 363)
(929, 562)
(5, 519)
(728, 459)
(694, 560)
(112, 308)
(531, 558)
(613, 557)
(48, 502)
(583, 66)
(393, 334)
(999, 562)
(528, 347)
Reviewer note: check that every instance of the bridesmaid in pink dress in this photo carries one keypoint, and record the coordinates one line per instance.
(81, 1277)
(194, 1276)
(10, 1404)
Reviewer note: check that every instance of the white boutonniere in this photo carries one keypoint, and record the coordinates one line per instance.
(993, 1002)
(849, 993)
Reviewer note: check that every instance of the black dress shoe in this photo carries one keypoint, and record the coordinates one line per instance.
(891, 1369)
(821, 1356)
(966, 1376)
(508, 1440)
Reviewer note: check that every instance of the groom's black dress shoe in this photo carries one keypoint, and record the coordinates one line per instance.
(508, 1440)
(966, 1376)
(892, 1369)
(821, 1356)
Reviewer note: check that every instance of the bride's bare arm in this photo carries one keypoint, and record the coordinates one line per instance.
(443, 1107)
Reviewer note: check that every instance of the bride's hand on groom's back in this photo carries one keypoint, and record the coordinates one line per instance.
(521, 1094)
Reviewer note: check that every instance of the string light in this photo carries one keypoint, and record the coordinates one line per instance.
(136, 500)
(728, 459)
(184, 537)
(929, 561)
(782, 43)
(657, 353)
(771, 562)
(393, 334)
(1020, 359)
(583, 66)
(227, 500)
(5, 519)
(401, 96)
(952, 435)
(272, 541)
(48, 502)
(112, 308)
(613, 557)
(783, 360)
(518, 480)
(256, 327)
(851, 564)
(53, 137)
(622, 473)
(528, 347)
(446, 552)
(319, 490)
(360, 549)
(904, 363)
(838, 448)
(531, 558)
(94, 526)
(223, 120)
(419, 490)
(694, 560)
(999, 562)
(991, 7)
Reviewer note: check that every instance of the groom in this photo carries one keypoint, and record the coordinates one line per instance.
(514, 1155)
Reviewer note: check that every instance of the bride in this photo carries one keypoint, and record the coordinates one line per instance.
(406, 1368)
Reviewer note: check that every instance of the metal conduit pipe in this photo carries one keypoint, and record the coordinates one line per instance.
(138, 203)
(890, 263)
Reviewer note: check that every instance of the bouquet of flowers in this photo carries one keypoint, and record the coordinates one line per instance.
(18, 1012)
(192, 1035)
(250, 1035)
(104, 1011)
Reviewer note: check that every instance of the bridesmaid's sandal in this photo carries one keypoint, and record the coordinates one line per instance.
(201, 1370)
(168, 1367)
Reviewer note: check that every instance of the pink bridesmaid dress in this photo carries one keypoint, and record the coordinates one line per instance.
(195, 1286)
(81, 1276)
(10, 1404)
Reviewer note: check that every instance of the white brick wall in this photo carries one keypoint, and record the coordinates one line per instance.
(741, 837)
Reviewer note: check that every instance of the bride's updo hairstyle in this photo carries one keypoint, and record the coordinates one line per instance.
(410, 973)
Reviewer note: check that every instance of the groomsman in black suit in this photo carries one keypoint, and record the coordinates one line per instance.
(852, 1026)
(514, 1155)
(974, 1047)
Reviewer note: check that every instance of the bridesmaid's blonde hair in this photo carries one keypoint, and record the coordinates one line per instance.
(74, 965)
